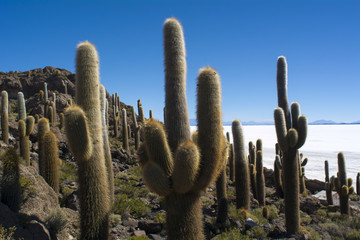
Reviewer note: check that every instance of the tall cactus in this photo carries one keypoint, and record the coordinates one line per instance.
(175, 156)
(252, 167)
(231, 158)
(278, 176)
(328, 185)
(51, 160)
(108, 159)
(43, 126)
(136, 128)
(302, 164)
(242, 178)
(343, 185)
(25, 129)
(5, 117)
(83, 125)
(116, 128)
(21, 106)
(358, 183)
(260, 179)
(291, 135)
(53, 104)
(125, 136)
(222, 213)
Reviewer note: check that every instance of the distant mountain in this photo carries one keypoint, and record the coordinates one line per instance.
(323, 122)
(193, 122)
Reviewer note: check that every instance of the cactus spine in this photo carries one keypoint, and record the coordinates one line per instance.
(242, 178)
(125, 132)
(175, 155)
(21, 106)
(5, 117)
(83, 124)
(328, 185)
(290, 140)
(10, 186)
(51, 160)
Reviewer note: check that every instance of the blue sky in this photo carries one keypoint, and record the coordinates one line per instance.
(241, 39)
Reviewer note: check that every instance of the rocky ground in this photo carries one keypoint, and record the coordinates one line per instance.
(137, 212)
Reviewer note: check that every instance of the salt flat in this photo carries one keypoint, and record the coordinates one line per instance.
(323, 143)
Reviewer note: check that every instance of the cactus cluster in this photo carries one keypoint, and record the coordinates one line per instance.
(291, 134)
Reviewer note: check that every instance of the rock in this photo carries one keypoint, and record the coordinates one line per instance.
(156, 237)
(309, 204)
(249, 223)
(278, 232)
(73, 201)
(130, 223)
(150, 226)
(139, 233)
(39, 231)
(314, 185)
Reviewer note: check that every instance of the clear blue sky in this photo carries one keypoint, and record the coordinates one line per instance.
(241, 39)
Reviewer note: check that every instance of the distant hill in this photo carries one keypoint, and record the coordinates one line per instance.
(193, 122)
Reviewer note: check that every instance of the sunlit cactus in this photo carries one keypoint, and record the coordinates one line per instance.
(291, 135)
(242, 178)
(83, 125)
(5, 117)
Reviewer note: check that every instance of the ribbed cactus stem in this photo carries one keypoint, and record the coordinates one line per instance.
(21, 106)
(343, 185)
(83, 125)
(150, 114)
(211, 140)
(222, 211)
(136, 129)
(242, 178)
(116, 128)
(177, 118)
(281, 79)
(43, 126)
(108, 159)
(51, 160)
(4, 117)
(125, 136)
(278, 176)
(54, 107)
(260, 179)
(358, 184)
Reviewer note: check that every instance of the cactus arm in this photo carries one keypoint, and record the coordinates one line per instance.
(30, 123)
(77, 131)
(157, 147)
(295, 113)
(281, 79)
(280, 126)
(187, 158)
(210, 137)
(155, 178)
(292, 137)
(177, 118)
(302, 131)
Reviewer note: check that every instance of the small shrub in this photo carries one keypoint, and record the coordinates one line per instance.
(135, 206)
(143, 237)
(233, 233)
(56, 220)
(7, 234)
(115, 220)
(160, 217)
(353, 235)
(256, 232)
